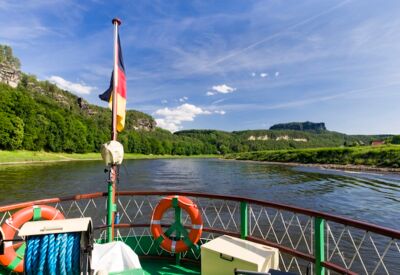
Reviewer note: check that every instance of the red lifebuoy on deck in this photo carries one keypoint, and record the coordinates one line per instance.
(195, 232)
(11, 259)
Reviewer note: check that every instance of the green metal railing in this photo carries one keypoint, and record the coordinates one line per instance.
(325, 243)
(244, 220)
(319, 241)
(319, 236)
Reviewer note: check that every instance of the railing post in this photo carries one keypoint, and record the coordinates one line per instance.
(111, 207)
(178, 220)
(244, 219)
(319, 245)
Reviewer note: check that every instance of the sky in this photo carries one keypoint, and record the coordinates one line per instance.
(227, 65)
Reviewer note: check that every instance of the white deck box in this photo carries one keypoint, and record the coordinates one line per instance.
(223, 254)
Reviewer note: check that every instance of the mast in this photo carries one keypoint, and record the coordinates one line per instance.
(113, 174)
(116, 22)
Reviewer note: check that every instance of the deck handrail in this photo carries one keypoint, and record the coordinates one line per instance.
(389, 232)
(319, 218)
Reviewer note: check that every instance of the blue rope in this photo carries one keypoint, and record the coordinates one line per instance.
(44, 244)
(62, 254)
(35, 253)
(28, 256)
(76, 261)
(68, 258)
(54, 254)
(57, 250)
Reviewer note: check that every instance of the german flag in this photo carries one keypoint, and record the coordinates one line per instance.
(120, 88)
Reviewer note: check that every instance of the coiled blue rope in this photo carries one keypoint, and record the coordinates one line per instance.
(35, 253)
(54, 254)
(44, 244)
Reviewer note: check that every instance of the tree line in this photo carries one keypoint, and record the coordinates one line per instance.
(31, 119)
(37, 115)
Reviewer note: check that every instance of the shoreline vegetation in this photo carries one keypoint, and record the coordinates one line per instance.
(31, 157)
(365, 158)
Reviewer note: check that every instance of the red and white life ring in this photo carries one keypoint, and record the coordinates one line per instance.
(11, 259)
(195, 231)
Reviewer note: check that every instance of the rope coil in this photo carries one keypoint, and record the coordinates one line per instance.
(53, 254)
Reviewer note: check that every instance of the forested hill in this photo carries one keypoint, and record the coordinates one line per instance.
(37, 115)
(256, 140)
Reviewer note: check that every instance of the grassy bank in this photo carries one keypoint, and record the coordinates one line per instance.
(385, 156)
(10, 157)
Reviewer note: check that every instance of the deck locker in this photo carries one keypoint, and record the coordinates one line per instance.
(223, 254)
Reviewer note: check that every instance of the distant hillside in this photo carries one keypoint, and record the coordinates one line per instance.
(256, 140)
(300, 126)
(332, 158)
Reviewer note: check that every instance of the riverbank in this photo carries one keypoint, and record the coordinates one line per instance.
(384, 159)
(347, 167)
(26, 157)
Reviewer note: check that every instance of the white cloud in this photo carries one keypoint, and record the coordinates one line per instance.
(76, 88)
(164, 101)
(263, 75)
(276, 74)
(172, 118)
(209, 93)
(253, 74)
(183, 99)
(223, 89)
(220, 112)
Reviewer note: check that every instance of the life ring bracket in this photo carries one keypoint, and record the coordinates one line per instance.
(185, 240)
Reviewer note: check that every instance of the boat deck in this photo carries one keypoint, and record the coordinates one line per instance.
(163, 267)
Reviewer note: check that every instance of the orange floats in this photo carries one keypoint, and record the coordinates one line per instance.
(13, 254)
(188, 239)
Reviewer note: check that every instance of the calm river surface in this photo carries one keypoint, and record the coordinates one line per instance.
(372, 197)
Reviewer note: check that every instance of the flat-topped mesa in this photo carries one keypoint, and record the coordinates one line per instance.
(300, 126)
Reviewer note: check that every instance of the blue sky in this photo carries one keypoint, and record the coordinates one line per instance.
(229, 65)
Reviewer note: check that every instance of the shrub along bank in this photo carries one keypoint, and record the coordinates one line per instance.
(385, 156)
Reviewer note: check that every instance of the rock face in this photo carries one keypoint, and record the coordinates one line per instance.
(9, 67)
(258, 138)
(285, 137)
(300, 126)
(145, 124)
(84, 106)
(9, 75)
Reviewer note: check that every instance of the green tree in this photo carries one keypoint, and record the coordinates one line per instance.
(396, 139)
(11, 131)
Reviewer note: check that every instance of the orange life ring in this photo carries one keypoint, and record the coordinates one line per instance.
(11, 259)
(190, 239)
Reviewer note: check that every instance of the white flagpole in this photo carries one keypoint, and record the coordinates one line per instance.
(113, 176)
(116, 22)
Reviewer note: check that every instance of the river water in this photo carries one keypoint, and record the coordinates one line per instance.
(373, 197)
